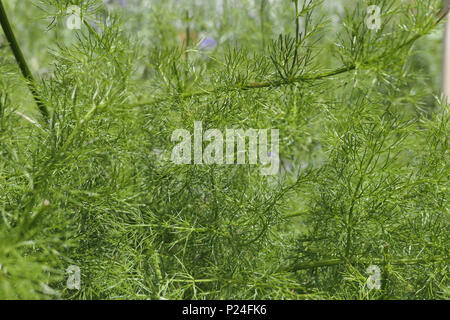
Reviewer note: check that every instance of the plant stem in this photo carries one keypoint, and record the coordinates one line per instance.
(446, 60)
(21, 60)
(188, 34)
(262, 26)
(254, 85)
(297, 24)
(335, 262)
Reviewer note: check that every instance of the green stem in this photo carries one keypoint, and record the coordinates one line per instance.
(262, 26)
(21, 60)
(336, 262)
(255, 85)
(188, 34)
(297, 24)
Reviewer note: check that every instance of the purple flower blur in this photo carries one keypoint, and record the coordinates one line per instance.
(122, 3)
(208, 44)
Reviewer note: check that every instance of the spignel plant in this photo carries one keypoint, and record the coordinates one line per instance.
(358, 210)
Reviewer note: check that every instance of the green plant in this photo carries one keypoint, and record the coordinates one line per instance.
(364, 153)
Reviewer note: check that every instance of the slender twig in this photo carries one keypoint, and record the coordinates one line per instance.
(27, 118)
(255, 85)
(21, 60)
(446, 61)
(297, 23)
(188, 34)
(262, 25)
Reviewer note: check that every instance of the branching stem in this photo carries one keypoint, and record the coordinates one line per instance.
(378, 261)
(21, 60)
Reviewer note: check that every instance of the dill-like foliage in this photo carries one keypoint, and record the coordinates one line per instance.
(363, 146)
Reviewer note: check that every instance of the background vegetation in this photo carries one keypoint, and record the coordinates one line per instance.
(364, 150)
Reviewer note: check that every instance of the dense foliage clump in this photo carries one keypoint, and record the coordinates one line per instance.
(363, 183)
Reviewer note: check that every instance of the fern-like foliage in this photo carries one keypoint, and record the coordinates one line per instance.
(363, 146)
